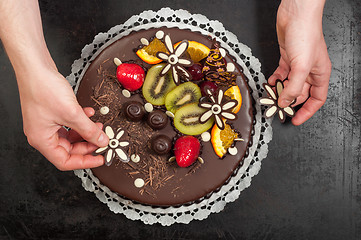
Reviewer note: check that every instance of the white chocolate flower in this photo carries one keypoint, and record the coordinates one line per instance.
(175, 62)
(114, 147)
(272, 101)
(218, 109)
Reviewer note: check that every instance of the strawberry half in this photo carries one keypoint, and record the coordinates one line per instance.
(186, 150)
(130, 75)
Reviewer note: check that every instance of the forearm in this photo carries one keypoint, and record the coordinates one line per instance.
(22, 35)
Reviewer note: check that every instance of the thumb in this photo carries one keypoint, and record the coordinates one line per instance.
(87, 129)
(296, 80)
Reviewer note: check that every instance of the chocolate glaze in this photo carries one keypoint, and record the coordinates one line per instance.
(166, 183)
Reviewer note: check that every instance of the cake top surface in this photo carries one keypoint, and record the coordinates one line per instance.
(136, 171)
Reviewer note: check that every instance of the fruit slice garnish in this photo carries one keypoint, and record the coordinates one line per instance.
(222, 139)
(148, 53)
(186, 120)
(197, 51)
(182, 95)
(156, 87)
(235, 93)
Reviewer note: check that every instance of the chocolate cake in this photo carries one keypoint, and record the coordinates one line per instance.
(177, 133)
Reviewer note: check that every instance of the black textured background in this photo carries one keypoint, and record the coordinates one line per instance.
(309, 186)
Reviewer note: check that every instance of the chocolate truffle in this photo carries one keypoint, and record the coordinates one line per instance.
(161, 144)
(134, 111)
(157, 119)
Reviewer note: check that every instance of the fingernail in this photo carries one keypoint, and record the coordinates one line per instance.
(102, 139)
(284, 103)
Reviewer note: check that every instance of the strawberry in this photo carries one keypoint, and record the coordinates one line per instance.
(130, 75)
(186, 150)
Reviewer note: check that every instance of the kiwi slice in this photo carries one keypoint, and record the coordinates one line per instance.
(182, 95)
(156, 87)
(186, 120)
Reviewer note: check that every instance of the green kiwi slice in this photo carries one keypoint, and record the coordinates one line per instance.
(182, 95)
(186, 120)
(156, 87)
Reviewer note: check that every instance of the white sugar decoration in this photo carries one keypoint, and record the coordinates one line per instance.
(139, 182)
(144, 41)
(126, 93)
(230, 67)
(206, 136)
(104, 110)
(222, 51)
(232, 150)
(117, 61)
(135, 158)
(148, 107)
(159, 34)
(169, 114)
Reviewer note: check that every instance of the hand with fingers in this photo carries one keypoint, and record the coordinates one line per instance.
(49, 107)
(304, 61)
(47, 100)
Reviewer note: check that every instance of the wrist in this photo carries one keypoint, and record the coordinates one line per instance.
(307, 10)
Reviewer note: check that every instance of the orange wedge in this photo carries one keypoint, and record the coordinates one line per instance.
(197, 51)
(149, 53)
(222, 139)
(235, 93)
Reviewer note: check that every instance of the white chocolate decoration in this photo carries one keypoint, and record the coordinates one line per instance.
(117, 61)
(230, 67)
(206, 136)
(104, 110)
(239, 140)
(222, 51)
(148, 107)
(135, 158)
(232, 150)
(139, 182)
(126, 93)
(114, 148)
(169, 114)
(159, 34)
(144, 41)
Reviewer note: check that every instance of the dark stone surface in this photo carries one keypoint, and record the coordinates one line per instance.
(309, 186)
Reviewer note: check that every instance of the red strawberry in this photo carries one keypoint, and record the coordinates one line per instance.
(186, 150)
(130, 75)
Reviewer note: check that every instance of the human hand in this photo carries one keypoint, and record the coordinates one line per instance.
(304, 59)
(48, 103)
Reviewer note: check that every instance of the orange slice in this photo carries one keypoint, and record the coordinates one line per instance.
(235, 93)
(197, 51)
(149, 53)
(222, 139)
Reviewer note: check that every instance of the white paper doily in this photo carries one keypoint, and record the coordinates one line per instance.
(262, 128)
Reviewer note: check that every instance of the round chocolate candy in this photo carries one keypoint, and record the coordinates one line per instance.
(161, 144)
(157, 119)
(134, 111)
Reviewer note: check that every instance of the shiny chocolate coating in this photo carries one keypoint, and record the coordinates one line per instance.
(134, 111)
(157, 119)
(161, 144)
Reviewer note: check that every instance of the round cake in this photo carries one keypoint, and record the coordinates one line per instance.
(177, 110)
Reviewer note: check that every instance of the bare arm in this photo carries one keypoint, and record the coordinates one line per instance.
(304, 57)
(47, 100)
